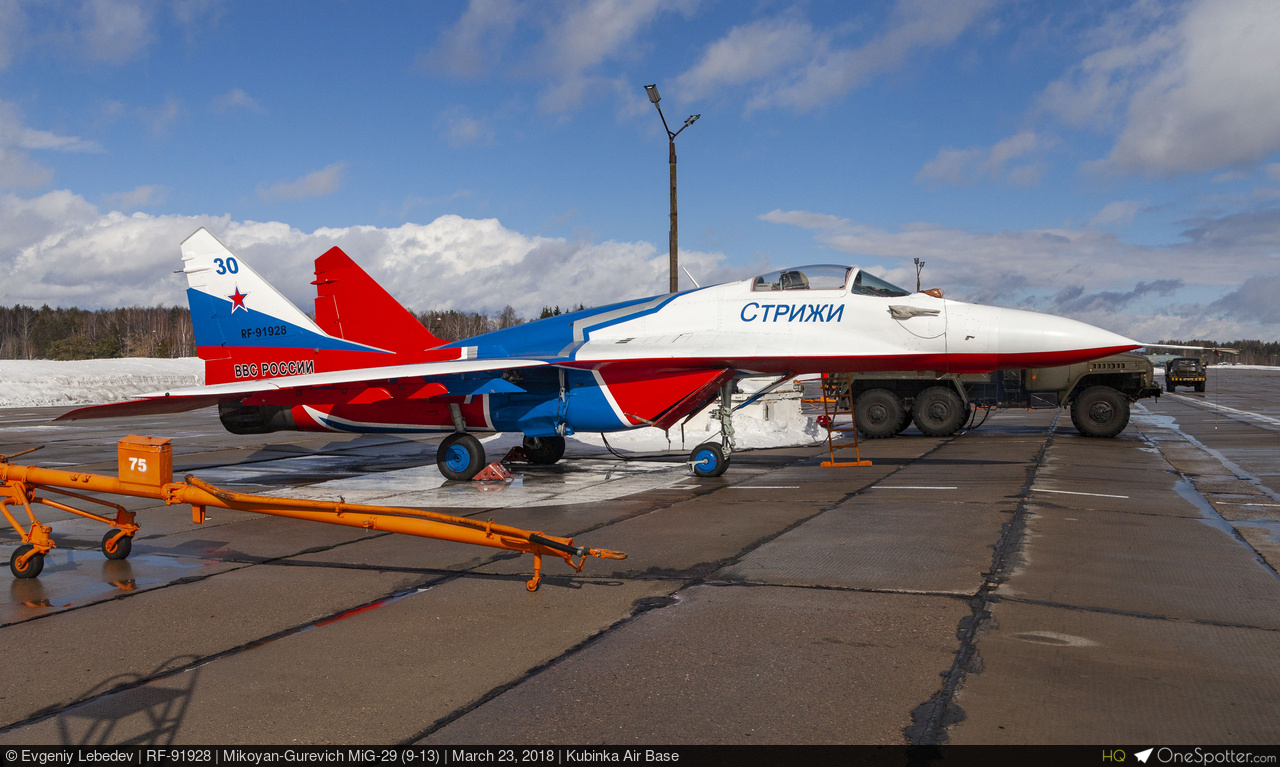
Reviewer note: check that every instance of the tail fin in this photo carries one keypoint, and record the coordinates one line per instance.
(245, 328)
(351, 305)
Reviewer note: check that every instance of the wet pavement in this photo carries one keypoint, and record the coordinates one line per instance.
(1014, 584)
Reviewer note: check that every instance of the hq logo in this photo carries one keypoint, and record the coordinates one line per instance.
(754, 312)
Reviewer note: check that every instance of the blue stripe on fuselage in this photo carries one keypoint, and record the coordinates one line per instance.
(215, 324)
(550, 337)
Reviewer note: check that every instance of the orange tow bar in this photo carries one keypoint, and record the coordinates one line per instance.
(146, 471)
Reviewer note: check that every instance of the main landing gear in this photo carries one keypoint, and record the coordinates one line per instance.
(711, 459)
(543, 451)
(460, 456)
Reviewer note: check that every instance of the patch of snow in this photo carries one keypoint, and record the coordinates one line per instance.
(46, 383)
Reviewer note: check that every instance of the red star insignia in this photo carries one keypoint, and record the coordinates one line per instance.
(237, 300)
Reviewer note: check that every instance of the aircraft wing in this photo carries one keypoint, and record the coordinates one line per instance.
(1216, 349)
(195, 397)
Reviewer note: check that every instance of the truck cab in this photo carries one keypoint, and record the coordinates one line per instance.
(1184, 371)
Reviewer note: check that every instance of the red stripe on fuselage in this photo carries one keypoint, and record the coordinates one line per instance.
(245, 363)
(940, 363)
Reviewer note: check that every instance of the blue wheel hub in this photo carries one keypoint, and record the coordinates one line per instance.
(457, 458)
(706, 460)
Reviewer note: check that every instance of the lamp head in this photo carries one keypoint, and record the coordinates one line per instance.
(692, 119)
(652, 90)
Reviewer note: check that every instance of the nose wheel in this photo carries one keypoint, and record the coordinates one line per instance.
(708, 460)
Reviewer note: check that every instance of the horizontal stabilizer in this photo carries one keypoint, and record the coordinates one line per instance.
(146, 406)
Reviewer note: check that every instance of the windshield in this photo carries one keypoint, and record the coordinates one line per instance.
(1185, 364)
(868, 284)
(816, 277)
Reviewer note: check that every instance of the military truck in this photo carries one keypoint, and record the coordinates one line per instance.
(1098, 393)
(1184, 371)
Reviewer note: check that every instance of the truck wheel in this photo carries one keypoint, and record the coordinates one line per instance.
(1100, 411)
(939, 412)
(543, 451)
(460, 456)
(878, 413)
(1169, 387)
(1200, 388)
(906, 421)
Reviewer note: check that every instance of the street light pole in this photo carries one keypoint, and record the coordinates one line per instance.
(672, 243)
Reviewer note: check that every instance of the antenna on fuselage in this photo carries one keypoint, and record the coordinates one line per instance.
(690, 276)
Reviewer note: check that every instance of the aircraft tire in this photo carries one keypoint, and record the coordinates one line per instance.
(460, 456)
(708, 460)
(33, 567)
(878, 413)
(1100, 411)
(939, 412)
(543, 451)
(122, 549)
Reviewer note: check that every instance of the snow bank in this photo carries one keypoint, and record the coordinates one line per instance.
(42, 383)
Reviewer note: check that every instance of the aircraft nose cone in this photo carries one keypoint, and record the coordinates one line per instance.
(1031, 339)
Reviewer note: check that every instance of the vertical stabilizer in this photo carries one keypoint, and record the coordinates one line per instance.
(352, 306)
(246, 329)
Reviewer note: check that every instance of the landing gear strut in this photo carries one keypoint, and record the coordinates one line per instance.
(711, 459)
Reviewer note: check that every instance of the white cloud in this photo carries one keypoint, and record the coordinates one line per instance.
(13, 30)
(317, 184)
(747, 53)
(460, 129)
(962, 167)
(236, 99)
(1192, 87)
(160, 119)
(139, 197)
(15, 134)
(1231, 175)
(474, 45)
(588, 34)
(114, 31)
(579, 40)
(916, 26)
(18, 171)
(1117, 214)
(60, 250)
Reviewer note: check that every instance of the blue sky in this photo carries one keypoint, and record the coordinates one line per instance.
(1112, 161)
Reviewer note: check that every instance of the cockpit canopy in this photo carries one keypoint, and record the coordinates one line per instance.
(827, 277)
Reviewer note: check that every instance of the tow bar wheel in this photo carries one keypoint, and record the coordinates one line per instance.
(118, 550)
(460, 456)
(708, 460)
(29, 569)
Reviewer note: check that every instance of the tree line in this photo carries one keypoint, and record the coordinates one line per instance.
(162, 331)
(165, 331)
(78, 334)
